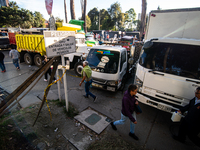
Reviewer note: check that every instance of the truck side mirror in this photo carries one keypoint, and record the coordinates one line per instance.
(147, 44)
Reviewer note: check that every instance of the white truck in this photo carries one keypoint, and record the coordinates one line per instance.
(74, 60)
(168, 71)
(110, 66)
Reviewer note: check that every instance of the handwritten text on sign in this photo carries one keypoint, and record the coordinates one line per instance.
(59, 42)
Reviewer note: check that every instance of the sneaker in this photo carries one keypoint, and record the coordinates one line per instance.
(113, 126)
(85, 96)
(3, 71)
(133, 136)
(45, 80)
(175, 137)
(95, 99)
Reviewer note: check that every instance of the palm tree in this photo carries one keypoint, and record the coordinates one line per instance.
(72, 9)
(143, 18)
(83, 6)
(65, 11)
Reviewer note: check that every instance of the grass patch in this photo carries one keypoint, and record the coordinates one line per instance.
(72, 111)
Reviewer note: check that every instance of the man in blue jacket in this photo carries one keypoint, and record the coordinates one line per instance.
(128, 110)
(190, 125)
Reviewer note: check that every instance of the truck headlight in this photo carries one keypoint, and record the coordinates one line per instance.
(139, 83)
(112, 83)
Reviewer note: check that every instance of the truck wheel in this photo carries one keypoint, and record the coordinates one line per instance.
(28, 59)
(78, 67)
(38, 60)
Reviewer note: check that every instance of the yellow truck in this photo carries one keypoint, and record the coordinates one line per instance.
(31, 46)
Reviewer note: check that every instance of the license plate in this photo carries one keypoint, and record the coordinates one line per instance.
(165, 108)
(97, 85)
(110, 88)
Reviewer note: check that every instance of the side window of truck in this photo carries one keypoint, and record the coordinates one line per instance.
(123, 60)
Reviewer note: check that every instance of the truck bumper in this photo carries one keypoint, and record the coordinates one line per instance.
(155, 104)
(104, 87)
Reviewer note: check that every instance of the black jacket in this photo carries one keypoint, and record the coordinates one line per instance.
(193, 115)
(1, 56)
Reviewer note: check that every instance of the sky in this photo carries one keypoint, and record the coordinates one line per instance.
(58, 6)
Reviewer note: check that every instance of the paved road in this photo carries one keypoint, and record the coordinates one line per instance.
(153, 126)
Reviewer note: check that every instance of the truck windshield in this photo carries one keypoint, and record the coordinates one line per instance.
(104, 61)
(177, 59)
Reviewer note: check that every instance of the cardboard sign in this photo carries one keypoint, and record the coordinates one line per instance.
(59, 42)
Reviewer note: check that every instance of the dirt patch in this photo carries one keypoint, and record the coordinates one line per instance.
(17, 131)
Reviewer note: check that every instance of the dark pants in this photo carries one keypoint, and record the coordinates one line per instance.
(48, 72)
(87, 88)
(192, 133)
(2, 66)
(16, 63)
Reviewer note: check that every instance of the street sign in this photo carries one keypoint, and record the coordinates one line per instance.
(59, 42)
(49, 4)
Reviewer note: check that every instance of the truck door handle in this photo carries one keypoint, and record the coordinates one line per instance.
(156, 73)
(193, 81)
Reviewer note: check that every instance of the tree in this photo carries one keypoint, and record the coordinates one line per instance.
(58, 19)
(115, 14)
(38, 19)
(14, 17)
(93, 14)
(72, 9)
(106, 22)
(88, 22)
(130, 16)
(143, 18)
(83, 6)
(65, 6)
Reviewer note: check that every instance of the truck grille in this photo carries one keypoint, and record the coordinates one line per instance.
(101, 81)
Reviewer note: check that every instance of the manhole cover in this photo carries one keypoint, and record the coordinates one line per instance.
(93, 119)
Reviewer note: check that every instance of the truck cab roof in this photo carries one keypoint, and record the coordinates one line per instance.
(113, 48)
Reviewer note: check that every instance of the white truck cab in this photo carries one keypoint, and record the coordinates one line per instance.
(109, 66)
(168, 71)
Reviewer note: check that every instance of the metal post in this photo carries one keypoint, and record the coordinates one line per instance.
(65, 83)
(58, 84)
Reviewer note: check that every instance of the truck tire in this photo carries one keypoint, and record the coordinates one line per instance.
(78, 67)
(38, 60)
(28, 59)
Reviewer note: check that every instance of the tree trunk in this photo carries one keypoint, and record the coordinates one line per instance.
(72, 9)
(83, 7)
(65, 11)
(143, 18)
(85, 24)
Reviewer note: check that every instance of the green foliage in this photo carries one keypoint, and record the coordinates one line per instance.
(12, 16)
(94, 14)
(88, 22)
(130, 16)
(58, 19)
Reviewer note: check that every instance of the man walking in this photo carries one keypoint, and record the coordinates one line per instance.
(14, 54)
(190, 125)
(128, 110)
(2, 66)
(87, 76)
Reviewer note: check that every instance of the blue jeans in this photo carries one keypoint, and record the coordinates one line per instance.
(87, 87)
(123, 120)
(2, 66)
(15, 62)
